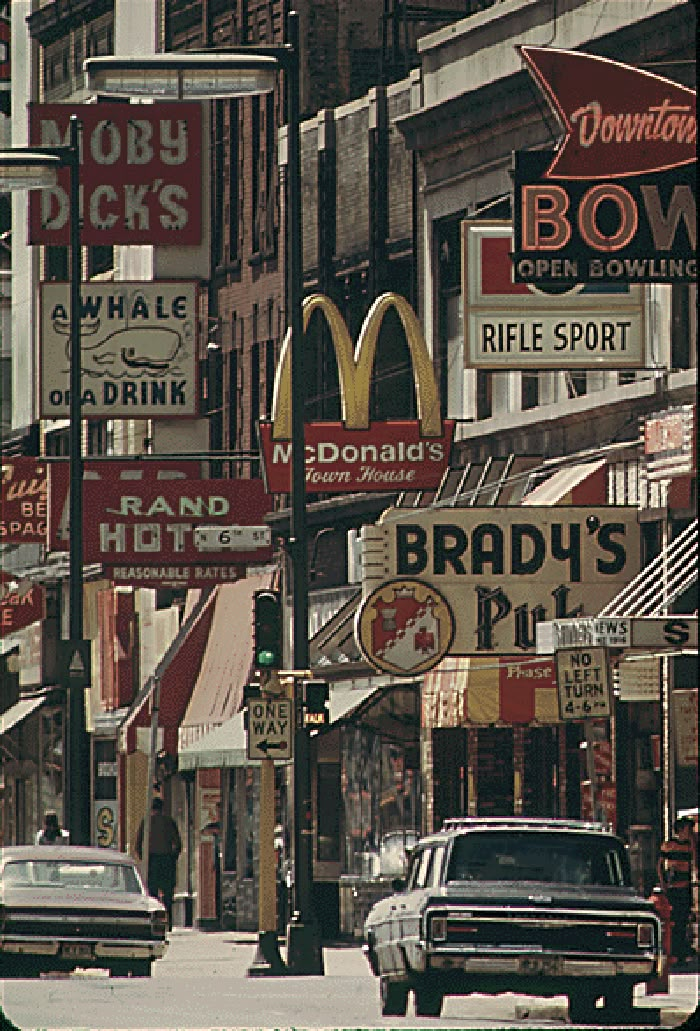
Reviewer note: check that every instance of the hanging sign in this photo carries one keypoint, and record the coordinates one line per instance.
(21, 603)
(137, 347)
(23, 501)
(583, 683)
(616, 202)
(357, 454)
(140, 174)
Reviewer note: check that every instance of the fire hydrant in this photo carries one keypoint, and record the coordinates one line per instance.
(658, 898)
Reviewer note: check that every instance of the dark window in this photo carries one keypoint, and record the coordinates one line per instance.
(328, 804)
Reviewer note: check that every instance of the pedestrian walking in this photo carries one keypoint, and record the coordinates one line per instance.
(164, 847)
(674, 872)
(51, 833)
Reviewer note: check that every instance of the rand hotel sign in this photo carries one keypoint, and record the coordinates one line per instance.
(617, 200)
(511, 325)
(357, 454)
(502, 571)
(137, 346)
(140, 174)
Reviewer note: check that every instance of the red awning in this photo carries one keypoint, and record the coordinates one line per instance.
(227, 663)
(582, 484)
(175, 684)
(484, 691)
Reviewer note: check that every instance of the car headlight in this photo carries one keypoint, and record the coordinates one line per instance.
(645, 936)
(438, 928)
(159, 923)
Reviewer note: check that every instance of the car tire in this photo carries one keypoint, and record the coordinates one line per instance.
(582, 1007)
(130, 967)
(619, 1004)
(393, 998)
(428, 1000)
(141, 968)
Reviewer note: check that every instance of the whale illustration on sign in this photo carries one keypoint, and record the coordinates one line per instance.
(149, 351)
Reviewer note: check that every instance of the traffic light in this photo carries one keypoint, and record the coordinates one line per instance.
(267, 630)
(315, 700)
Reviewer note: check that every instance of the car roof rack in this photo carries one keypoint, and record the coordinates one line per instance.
(521, 822)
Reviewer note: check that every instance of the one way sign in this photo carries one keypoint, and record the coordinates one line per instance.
(270, 728)
(74, 663)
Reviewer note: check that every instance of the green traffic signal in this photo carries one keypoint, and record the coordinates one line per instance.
(267, 629)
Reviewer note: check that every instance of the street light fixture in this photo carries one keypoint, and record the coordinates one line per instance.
(28, 168)
(228, 74)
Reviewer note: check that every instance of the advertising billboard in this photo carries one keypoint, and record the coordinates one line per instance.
(140, 174)
(138, 347)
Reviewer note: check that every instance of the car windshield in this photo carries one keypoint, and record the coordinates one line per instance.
(71, 873)
(550, 858)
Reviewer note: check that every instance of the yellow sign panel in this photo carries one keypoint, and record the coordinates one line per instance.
(504, 570)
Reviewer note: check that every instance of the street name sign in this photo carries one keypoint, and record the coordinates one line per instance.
(232, 538)
(583, 683)
(270, 728)
(660, 633)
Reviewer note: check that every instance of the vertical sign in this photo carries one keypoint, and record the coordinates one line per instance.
(583, 683)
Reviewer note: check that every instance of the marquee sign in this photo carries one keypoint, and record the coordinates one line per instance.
(617, 200)
(147, 523)
(511, 325)
(356, 454)
(137, 345)
(502, 571)
(23, 501)
(140, 174)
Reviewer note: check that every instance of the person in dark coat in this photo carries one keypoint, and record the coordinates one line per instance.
(164, 847)
(674, 870)
(51, 833)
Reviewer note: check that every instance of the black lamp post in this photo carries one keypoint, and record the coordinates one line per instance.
(226, 74)
(35, 168)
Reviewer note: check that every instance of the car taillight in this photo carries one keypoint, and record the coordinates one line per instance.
(645, 936)
(159, 923)
(438, 928)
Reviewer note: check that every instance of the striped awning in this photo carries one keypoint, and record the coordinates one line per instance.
(464, 691)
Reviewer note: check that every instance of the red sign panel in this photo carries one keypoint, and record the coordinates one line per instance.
(23, 501)
(4, 52)
(202, 575)
(147, 523)
(21, 603)
(140, 174)
(106, 471)
(388, 456)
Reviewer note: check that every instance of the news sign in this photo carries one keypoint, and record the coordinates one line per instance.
(511, 325)
(616, 201)
(140, 174)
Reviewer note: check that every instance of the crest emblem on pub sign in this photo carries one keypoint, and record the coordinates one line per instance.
(404, 627)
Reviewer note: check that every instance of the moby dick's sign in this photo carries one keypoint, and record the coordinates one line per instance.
(357, 454)
(616, 202)
(500, 571)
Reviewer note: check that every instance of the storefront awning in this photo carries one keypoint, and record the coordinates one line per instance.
(582, 484)
(226, 666)
(224, 747)
(177, 671)
(485, 691)
(19, 711)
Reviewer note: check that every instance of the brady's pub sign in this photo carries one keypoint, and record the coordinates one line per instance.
(356, 454)
(499, 571)
(617, 200)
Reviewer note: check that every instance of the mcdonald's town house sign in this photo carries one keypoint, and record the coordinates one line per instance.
(356, 454)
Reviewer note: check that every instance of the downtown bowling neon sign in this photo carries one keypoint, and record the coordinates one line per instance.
(616, 201)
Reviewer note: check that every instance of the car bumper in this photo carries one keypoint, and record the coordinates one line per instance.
(87, 951)
(538, 965)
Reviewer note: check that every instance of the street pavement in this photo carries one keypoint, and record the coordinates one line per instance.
(203, 982)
